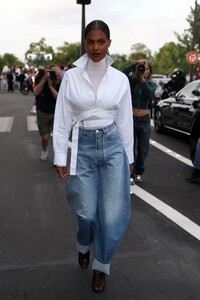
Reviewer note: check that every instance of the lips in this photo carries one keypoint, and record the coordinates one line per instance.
(96, 54)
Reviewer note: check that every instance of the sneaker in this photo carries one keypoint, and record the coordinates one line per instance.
(138, 178)
(44, 155)
(195, 177)
(132, 181)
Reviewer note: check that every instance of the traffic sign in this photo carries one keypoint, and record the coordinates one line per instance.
(192, 57)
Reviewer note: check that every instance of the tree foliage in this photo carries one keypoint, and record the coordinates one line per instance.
(10, 59)
(67, 53)
(190, 39)
(139, 51)
(169, 57)
(39, 49)
(120, 61)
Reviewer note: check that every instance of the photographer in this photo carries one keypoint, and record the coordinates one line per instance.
(142, 92)
(46, 91)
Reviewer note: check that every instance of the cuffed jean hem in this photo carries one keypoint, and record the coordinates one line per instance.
(82, 248)
(97, 265)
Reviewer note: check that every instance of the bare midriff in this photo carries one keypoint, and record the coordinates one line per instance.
(138, 112)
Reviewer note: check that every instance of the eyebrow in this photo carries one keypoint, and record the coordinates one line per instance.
(89, 39)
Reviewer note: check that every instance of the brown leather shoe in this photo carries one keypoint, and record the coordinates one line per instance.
(98, 281)
(84, 259)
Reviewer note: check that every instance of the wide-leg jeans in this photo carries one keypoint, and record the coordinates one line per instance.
(99, 194)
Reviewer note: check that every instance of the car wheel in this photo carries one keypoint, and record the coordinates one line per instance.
(25, 89)
(158, 124)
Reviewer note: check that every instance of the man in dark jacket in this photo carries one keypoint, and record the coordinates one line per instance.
(46, 91)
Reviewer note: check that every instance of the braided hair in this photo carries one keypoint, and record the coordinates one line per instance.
(97, 24)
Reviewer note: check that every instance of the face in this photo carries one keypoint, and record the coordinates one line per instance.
(97, 44)
(147, 71)
(58, 73)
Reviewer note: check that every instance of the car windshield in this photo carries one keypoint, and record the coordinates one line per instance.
(186, 92)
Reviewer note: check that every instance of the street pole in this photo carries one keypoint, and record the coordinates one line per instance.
(193, 40)
(82, 30)
(83, 3)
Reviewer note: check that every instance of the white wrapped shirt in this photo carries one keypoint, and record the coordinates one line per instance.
(77, 101)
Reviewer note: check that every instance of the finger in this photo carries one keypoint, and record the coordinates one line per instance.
(62, 172)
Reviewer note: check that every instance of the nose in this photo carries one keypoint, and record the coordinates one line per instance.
(96, 46)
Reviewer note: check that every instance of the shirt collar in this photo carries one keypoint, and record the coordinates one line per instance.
(82, 61)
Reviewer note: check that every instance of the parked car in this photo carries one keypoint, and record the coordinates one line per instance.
(162, 78)
(181, 112)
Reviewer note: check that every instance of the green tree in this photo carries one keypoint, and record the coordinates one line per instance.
(120, 61)
(169, 57)
(139, 51)
(39, 49)
(9, 59)
(190, 39)
(67, 53)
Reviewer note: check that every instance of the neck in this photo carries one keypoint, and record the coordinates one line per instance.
(96, 71)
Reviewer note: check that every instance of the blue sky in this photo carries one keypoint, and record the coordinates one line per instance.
(131, 21)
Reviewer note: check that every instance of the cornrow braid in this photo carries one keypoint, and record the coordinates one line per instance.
(97, 24)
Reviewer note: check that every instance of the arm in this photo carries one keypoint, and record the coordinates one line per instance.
(39, 87)
(52, 89)
(124, 122)
(129, 70)
(61, 130)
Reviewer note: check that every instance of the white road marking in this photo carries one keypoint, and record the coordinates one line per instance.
(6, 124)
(168, 211)
(32, 123)
(171, 153)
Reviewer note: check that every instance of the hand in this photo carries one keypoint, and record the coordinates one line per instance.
(62, 172)
(46, 75)
(49, 80)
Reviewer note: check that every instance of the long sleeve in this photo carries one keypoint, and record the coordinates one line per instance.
(124, 123)
(62, 126)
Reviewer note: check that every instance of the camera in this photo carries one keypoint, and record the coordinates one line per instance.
(141, 68)
(52, 75)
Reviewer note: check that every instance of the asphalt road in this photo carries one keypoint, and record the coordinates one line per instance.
(159, 257)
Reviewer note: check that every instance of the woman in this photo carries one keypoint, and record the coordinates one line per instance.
(95, 102)
(142, 91)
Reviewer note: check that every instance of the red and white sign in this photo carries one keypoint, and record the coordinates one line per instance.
(192, 57)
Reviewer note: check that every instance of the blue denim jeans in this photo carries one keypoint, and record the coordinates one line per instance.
(142, 131)
(99, 194)
(197, 156)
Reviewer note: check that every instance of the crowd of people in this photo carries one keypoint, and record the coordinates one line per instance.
(106, 112)
(13, 77)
